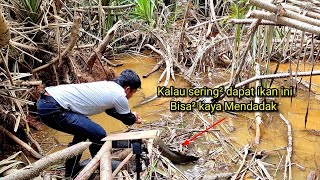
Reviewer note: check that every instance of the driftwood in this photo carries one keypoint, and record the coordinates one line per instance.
(37, 167)
(98, 52)
(21, 143)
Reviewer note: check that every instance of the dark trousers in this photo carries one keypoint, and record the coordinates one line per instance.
(79, 125)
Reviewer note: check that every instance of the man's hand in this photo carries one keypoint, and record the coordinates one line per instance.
(138, 118)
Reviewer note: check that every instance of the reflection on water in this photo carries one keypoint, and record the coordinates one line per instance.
(273, 130)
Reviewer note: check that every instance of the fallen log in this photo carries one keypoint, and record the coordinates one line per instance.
(37, 167)
(301, 11)
(283, 12)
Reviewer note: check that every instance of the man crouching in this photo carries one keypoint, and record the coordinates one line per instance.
(66, 107)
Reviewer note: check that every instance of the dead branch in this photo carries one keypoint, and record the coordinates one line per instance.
(155, 68)
(257, 115)
(285, 21)
(283, 12)
(27, 83)
(97, 53)
(289, 149)
(21, 143)
(114, 173)
(110, 63)
(263, 168)
(279, 75)
(86, 172)
(301, 11)
(182, 29)
(110, 7)
(250, 21)
(159, 64)
(121, 155)
(253, 28)
(36, 168)
(246, 150)
(35, 143)
(305, 5)
(73, 40)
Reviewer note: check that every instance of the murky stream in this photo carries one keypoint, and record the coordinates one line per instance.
(306, 146)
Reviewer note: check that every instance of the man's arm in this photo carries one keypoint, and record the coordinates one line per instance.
(127, 119)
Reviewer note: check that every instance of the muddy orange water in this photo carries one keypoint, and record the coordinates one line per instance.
(306, 146)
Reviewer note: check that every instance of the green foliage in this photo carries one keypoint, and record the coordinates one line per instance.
(238, 10)
(28, 10)
(144, 10)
